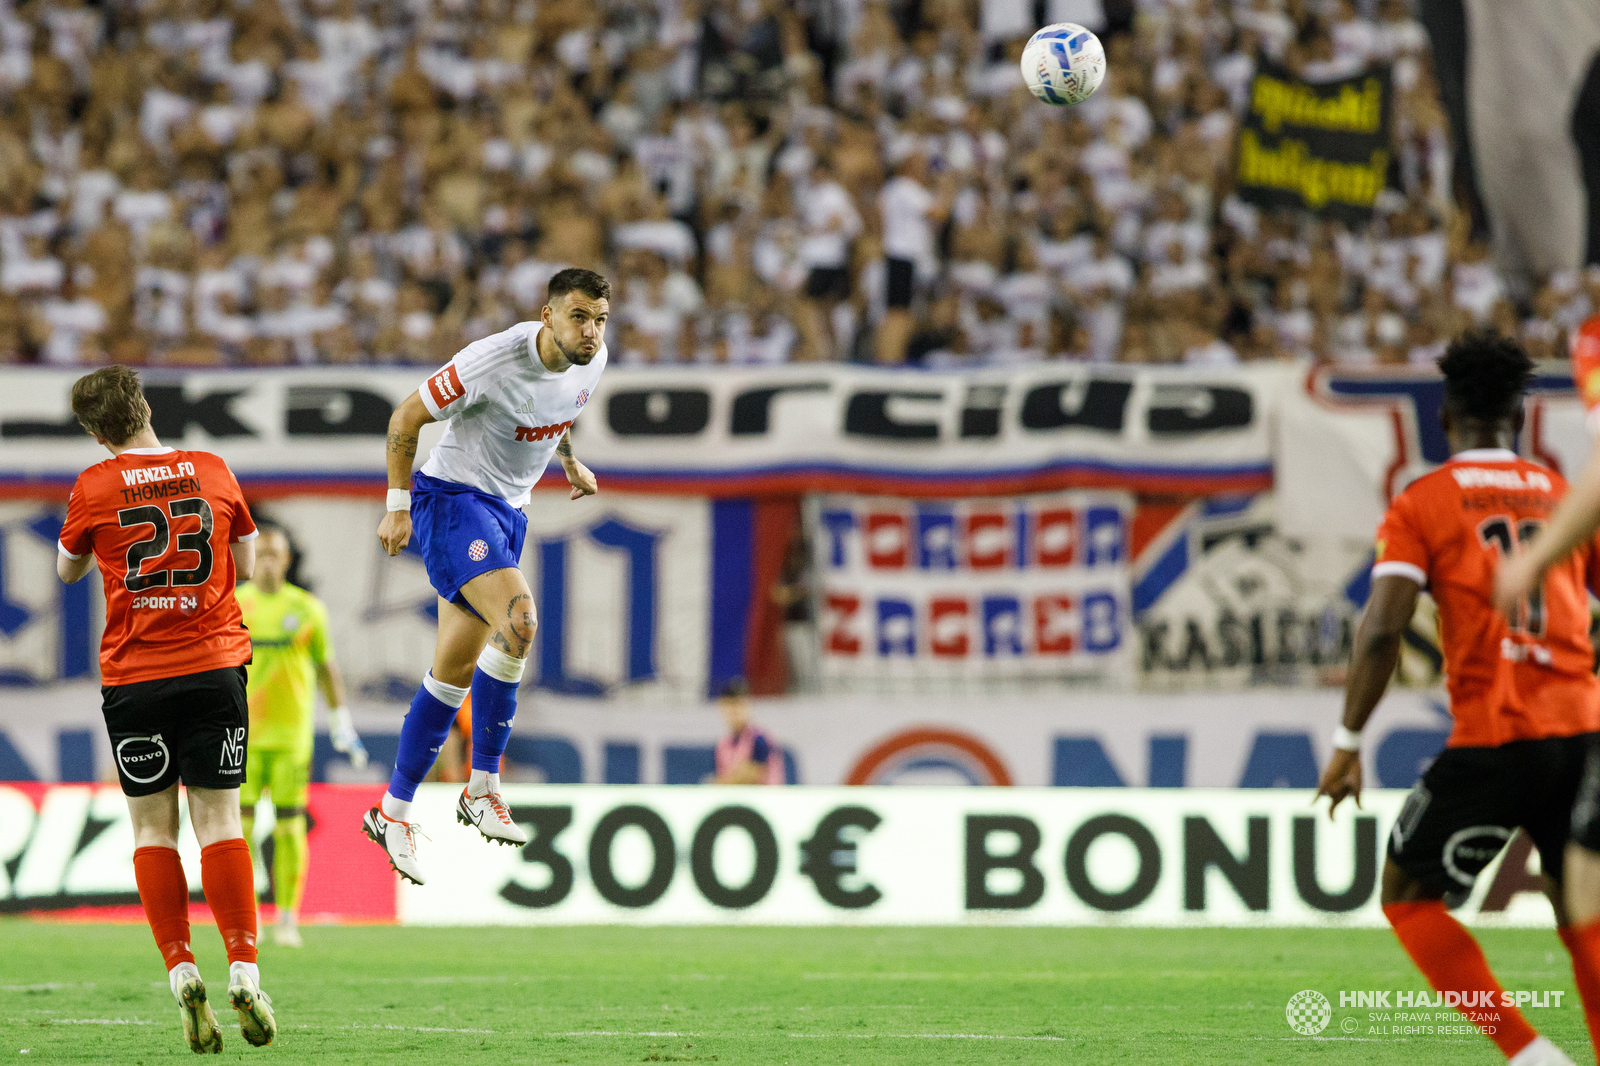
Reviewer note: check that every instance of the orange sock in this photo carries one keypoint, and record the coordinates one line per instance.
(230, 885)
(1583, 941)
(1453, 962)
(164, 891)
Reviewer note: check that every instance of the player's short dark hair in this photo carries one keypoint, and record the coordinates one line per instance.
(1485, 376)
(577, 279)
(110, 404)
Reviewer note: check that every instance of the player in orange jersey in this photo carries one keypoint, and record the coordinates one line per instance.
(1523, 692)
(171, 534)
(1572, 525)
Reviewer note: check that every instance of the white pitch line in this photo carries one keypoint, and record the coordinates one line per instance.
(612, 1033)
(408, 1028)
(97, 1021)
(928, 1036)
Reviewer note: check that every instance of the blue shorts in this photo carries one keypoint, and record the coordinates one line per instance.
(463, 532)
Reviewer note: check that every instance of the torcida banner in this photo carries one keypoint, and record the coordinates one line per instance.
(718, 431)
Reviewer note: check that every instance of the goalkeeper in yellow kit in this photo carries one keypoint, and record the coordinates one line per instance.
(292, 658)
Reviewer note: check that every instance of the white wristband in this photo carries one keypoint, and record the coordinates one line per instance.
(399, 500)
(1346, 739)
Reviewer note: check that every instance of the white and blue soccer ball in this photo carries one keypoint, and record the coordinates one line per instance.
(1063, 64)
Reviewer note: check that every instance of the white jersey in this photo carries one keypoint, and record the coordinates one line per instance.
(504, 412)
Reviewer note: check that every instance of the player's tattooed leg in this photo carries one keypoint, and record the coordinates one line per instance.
(515, 635)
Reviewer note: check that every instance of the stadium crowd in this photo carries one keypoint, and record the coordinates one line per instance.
(276, 182)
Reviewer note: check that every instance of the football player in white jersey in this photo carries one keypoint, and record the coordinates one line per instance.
(509, 402)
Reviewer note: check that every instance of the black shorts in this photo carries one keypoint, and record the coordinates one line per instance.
(1586, 809)
(828, 283)
(900, 282)
(193, 729)
(1471, 800)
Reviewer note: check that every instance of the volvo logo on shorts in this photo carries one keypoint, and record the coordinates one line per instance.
(1469, 850)
(143, 759)
(477, 550)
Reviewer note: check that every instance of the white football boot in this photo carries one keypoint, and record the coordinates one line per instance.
(1540, 1052)
(199, 1024)
(398, 840)
(253, 1005)
(489, 813)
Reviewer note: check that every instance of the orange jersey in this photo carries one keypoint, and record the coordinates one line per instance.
(1585, 345)
(1526, 680)
(159, 522)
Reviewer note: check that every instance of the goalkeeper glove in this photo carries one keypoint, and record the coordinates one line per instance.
(346, 741)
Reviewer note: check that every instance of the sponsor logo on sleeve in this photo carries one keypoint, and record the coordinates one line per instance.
(445, 386)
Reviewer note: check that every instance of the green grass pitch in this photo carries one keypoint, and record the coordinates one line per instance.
(96, 993)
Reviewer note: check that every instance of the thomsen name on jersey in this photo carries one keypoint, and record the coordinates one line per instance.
(159, 482)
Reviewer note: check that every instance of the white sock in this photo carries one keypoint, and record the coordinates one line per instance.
(248, 968)
(482, 783)
(180, 973)
(398, 810)
(1538, 1052)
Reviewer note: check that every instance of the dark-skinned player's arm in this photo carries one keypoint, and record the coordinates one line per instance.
(1372, 663)
(400, 453)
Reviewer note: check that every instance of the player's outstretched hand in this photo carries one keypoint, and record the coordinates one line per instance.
(394, 532)
(1342, 779)
(346, 741)
(582, 479)
(1514, 581)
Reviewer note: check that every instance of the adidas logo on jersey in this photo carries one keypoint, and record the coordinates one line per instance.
(527, 433)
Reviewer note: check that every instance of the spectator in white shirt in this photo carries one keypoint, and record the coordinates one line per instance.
(35, 273)
(831, 225)
(69, 327)
(909, 212)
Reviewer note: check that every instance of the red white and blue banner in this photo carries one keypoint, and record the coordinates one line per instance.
(719, 431)
(923, 592)
(1349, 440)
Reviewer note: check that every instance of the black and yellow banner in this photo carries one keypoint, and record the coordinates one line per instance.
(1323, 148)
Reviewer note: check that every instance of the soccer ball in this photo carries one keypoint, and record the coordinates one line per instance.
(1063, 64)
